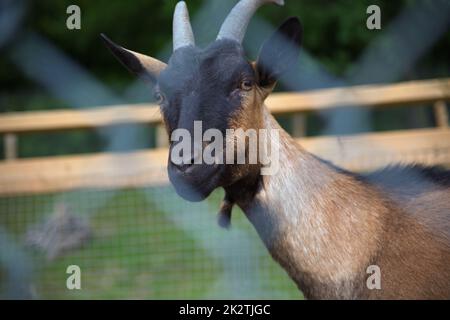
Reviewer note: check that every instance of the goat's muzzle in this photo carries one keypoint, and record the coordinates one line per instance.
(194, 182)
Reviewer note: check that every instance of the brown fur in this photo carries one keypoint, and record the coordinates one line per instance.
(343, 225)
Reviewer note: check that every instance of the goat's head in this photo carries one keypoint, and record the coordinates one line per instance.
(217, 85)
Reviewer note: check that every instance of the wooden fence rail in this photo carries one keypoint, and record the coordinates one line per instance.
(143, 168)
(279, 103)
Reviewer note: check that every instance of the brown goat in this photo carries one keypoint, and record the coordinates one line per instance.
(326, 227)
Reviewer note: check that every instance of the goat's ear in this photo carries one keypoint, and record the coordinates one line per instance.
(145, 67)
(279, 52)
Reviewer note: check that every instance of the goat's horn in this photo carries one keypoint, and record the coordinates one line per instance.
(235, 25)
(182, 30)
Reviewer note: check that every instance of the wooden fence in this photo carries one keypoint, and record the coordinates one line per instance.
(144, 168)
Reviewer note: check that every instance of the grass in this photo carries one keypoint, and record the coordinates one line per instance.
(146, 244)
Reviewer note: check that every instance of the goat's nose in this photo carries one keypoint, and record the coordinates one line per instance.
(184, 161)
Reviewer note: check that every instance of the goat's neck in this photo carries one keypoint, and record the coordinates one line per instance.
(321, 224)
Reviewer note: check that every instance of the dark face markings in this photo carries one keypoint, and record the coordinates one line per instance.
(204, 84)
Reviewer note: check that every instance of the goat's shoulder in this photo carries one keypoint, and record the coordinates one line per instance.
(422, 192)
(410, 178)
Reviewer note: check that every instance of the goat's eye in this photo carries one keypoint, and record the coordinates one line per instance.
(159, 97)
(246, 85)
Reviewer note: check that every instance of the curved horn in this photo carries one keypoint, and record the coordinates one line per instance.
(235, 25)
(182, 30)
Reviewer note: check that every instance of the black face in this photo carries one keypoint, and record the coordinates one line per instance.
(206, 85)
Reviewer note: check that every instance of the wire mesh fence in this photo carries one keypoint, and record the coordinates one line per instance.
(132, 243)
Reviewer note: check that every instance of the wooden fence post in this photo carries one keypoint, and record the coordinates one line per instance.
(441, 114)
(10, 145)
(161, 137)
(299, 125)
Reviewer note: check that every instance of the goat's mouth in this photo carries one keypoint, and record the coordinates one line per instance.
(196, 182)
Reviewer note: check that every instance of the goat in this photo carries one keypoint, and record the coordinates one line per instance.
(325, 226)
